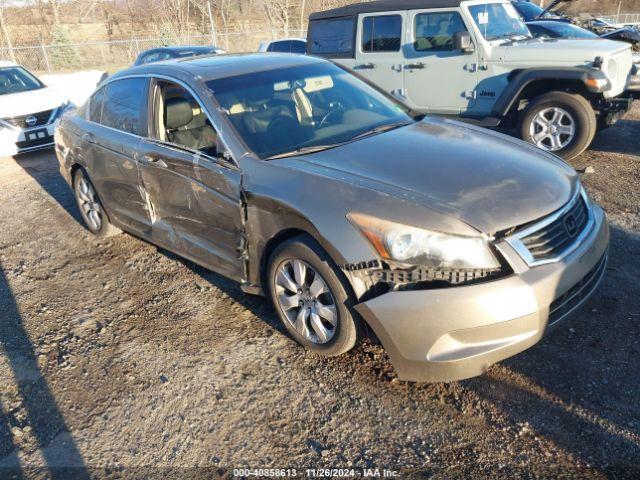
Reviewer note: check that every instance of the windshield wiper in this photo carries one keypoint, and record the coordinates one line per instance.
(380, 129)
(305, 151)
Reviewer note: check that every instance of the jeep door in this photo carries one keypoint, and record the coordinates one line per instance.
(438, 78)
(193, 194)
(113, 126)
(378, 50)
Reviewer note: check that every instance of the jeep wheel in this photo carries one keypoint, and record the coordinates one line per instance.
(558, 122)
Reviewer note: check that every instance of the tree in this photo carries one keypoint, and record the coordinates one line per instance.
(5, 31)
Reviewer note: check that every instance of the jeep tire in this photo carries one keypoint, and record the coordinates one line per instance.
(559, 122)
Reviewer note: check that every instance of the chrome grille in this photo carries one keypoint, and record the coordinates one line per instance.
(554, 238)
(41, 118)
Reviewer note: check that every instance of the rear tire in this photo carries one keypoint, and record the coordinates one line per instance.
(558, 122)
(297, 271)
(93, 213)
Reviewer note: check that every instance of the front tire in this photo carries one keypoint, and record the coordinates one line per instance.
(91, 209)
(561, 123)
(310, 297)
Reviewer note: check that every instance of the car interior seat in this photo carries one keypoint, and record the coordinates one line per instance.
(184, 128)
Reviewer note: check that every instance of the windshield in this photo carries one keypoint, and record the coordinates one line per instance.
(16, 80)
(498, 20)
(304, 108)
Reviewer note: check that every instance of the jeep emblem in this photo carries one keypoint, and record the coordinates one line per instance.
(31, 121)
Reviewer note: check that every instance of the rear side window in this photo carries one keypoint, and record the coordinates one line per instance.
(123, 105)
(381, 33)
(282, 47)
(333, 37)
(434, 31)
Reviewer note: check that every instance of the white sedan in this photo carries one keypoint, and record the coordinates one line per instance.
(29, 111)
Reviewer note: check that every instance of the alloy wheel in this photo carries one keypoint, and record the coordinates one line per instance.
(89, 205)
(552, 129)
(306, 301)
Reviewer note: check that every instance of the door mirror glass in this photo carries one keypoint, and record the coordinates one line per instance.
(462, 42)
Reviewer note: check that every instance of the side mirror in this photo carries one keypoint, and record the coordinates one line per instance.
(462, 42)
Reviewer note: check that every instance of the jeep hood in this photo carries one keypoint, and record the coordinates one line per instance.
(32, 101)
(487, 180)
(562, 52)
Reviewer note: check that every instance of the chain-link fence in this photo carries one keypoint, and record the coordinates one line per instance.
(115, 55)
(623, 19)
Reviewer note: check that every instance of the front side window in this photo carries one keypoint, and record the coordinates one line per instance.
(381, 33)
(499, 21)
(332, 37)
(123, 105)
(180, 120)
(298, 46)
(16, 80)
(280, 112)
(435, 31)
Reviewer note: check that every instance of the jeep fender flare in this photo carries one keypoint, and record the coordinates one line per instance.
(521, 79)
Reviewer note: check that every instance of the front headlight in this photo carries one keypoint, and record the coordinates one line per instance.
(417, 246)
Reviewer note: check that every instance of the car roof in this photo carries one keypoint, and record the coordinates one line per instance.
(383, 6)
(543, 23)
(212, 67)
(288, 40)
(182, 48)
(551, 24)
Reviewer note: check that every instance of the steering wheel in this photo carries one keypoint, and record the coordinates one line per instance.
(334, 109)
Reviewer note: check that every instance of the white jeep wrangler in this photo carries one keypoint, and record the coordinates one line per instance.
(477, 60)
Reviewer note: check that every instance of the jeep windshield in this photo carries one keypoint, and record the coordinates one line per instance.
(499, 21)
(305, 109)
(16, 80)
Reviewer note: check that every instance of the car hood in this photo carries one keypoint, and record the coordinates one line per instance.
(32, 101)
(561, 51)
(489, 181)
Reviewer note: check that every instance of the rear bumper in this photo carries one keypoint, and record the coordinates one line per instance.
(456, 333)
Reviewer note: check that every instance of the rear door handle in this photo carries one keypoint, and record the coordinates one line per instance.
(416, 66)
(151, 160)
(365, 66)
(89, 138)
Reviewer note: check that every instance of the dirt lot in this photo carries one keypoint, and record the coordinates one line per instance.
(118, 358)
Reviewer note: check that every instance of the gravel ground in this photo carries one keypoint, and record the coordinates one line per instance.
(121, 359)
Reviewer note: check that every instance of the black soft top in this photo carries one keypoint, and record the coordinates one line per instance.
(383, 6)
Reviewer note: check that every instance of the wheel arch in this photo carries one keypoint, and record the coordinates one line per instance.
(529, 83)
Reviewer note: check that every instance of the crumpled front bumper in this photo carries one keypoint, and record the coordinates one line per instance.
(456, 333)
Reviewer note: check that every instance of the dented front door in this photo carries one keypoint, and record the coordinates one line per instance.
(194, 204)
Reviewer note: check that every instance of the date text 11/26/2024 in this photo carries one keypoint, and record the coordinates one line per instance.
(315, 473)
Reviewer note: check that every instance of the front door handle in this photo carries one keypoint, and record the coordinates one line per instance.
(416, 66)
(365, 66)
(89, 138)
(152, 160)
